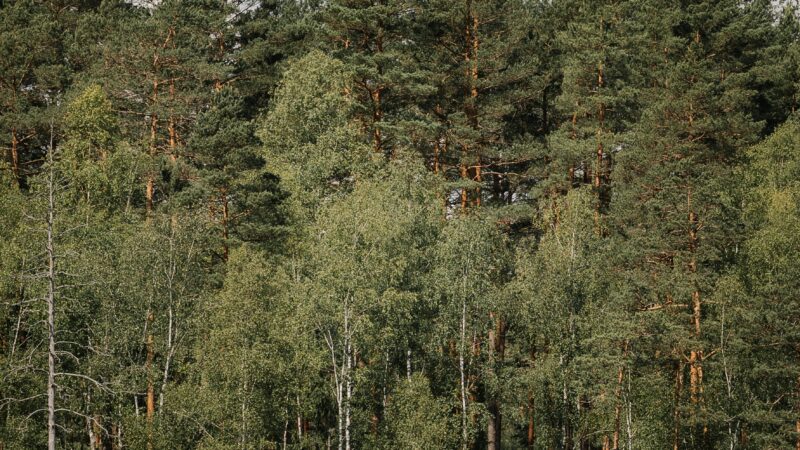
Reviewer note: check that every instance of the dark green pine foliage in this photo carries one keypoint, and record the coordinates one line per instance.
(673, 212)
(243, 199)
(378, 43)
(159, 65)
(766, 42)
(488, 106)
(34, 74)
(258, 40)
(601, 66)
(580, 346)
(486, 64)
(785, 58)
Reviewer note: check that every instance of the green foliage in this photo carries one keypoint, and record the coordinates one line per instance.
(309, 140)
(419, 420)
(400, 224)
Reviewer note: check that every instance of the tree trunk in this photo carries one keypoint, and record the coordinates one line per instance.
(464, 176)
(695, 355)
(377, 101)
(93, 424)
(531, 421)
(151, 404)
(436, 156)
(566, 428)
(497, 347)
(479, 178)
(51, 293)
(471, 44)
(532, 409)
(618, 409)
(462, 373)
(15, 155)
(598, 171)
(225, 222)
(299, 421)
(408, 364)
(152, 150)
(171, 125)
(676, 426)
(377, 116)
(90, 431)
(618, 395)
(348, 383)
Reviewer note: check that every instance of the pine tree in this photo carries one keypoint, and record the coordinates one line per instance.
(243, 200)
(672, 208)
(34, 73)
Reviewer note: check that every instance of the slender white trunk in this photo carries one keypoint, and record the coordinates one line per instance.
(172, 326)
(89, 427)
(338, 385)
(629, 416)
(167, 363)
(732, 430)
(285, 432)
(341, 417)
(408, 364)
(565, 406)
(299, 422)
(342, 378)
(51, 289)
(348, 358)
(461, 350)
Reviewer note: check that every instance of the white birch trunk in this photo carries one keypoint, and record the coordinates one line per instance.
(51, 288)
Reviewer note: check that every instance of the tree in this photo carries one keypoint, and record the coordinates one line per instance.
(769, 281)
(470, 256)
(34, 72)
(672, 199)
(365, 279)
(243, 199)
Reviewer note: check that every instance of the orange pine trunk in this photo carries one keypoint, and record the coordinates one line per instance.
(15, 154)
(149, 187)
(151, 404)
(676, 430)
(171, 126)
(148, 193)
(464, 176)
(618, 406)
(531, 421)
(599, 169)
(695, 355)
(377, 116)
(436, 156)
(225, 223)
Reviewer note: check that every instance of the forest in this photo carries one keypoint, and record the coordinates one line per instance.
(399, 224)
